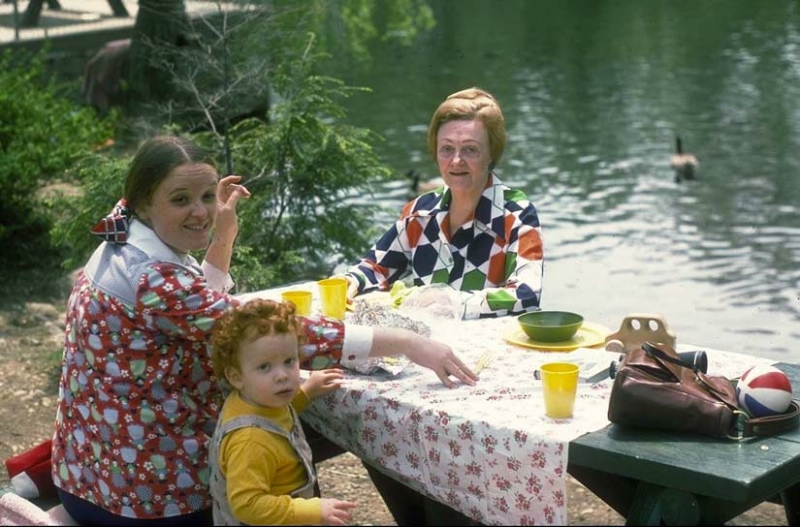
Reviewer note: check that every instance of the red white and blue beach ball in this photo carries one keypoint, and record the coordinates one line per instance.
(764, 390)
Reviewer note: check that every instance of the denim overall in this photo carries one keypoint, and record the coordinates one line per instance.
(222, 512)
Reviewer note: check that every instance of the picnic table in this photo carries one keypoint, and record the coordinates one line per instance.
(651, 477)
(489, 452)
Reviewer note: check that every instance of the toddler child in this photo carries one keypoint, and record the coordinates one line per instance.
(261, 469)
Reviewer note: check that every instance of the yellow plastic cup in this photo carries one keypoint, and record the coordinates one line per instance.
(559, 384)
(301, 299)
(333, 297)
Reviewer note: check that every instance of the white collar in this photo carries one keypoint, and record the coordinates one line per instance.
(146, 240)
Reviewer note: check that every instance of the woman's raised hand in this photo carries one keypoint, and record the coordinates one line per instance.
(229, 191)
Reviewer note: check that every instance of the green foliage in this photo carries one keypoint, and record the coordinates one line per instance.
(309, 175)
(101, 178)
(41, 133)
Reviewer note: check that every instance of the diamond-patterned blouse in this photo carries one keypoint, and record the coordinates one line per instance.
(138, 399)
(495, 260)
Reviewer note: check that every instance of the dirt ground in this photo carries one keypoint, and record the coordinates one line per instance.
(31, 326)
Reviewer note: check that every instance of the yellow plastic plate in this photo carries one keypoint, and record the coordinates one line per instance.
(589, 335)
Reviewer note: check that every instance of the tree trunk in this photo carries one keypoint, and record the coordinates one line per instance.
(161, 27)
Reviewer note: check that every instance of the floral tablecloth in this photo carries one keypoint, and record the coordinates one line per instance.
(486, 450)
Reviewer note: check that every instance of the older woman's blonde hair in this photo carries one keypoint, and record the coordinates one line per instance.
(471, 104)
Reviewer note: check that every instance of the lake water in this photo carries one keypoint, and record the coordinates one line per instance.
(593, 94)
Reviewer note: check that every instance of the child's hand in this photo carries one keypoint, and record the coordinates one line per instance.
(336, 512)
(322, 382)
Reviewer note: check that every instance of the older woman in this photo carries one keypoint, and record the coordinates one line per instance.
(474, 233)
(138, 398)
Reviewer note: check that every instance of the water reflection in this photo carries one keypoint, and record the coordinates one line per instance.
(594, 93)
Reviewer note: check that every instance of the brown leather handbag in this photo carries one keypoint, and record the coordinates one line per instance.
(653, 388)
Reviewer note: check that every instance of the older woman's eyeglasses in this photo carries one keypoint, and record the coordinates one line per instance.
(468, 152)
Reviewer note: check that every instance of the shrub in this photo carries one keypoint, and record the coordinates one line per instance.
(41, 134)
(311, 177)
(101, 178)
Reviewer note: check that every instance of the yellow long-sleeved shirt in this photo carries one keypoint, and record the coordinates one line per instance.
(261, 469)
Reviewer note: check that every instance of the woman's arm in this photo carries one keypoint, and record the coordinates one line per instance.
(331, 342)
(386, 261)
(524, 269)
(390, 257)
(434, 355)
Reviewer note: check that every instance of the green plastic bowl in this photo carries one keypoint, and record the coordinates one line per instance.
(550, 326)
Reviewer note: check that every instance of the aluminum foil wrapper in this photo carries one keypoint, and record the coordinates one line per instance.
(373, 314)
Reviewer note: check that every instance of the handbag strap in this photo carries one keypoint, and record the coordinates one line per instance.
(653, 349)
(657, 352)
(773, 424)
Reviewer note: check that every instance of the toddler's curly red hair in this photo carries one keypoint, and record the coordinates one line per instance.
(246, 323)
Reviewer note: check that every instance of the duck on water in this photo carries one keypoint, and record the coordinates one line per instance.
(682, 163)
(418, 186)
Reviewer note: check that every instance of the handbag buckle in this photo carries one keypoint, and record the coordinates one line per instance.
(741, 417)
